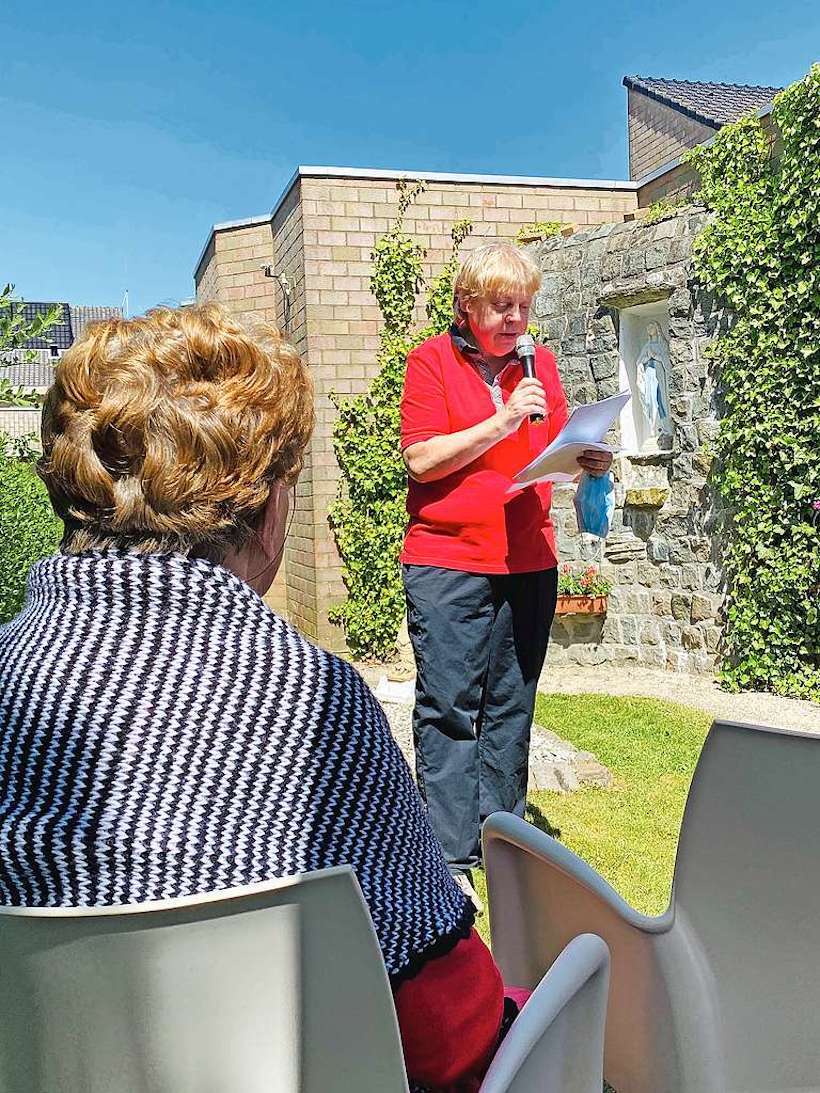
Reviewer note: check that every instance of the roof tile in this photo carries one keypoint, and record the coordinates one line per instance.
(713, 104)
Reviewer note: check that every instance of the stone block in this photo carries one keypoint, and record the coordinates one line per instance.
(708, 430)
(575, 368)
(556, 765)
(552, 329)
(680, 250)
(629, 629)
(681, 407)
(650, 633)
(611, 633)
(546, 305)
(665, 230)
(562, 496)
(604, 365)
(703, 608)
(701, 548)
(702, 461)
(712, 637)
(574, 345)
(596, 249)
(712, 578)
(641, 521)
(681, 607)
(661, 602)
(692, 638)
(635, 262)
(640, 603)
(624, 547)
(691, 576)
(569, 283)
(621, 654)
(672, 634)
(582, 393)
(652, 655)
(676, 661)
(670, 576)
(678, 381)
(657, 550)
(617, 597)
(687, 437)
(680, 553)
(652, 497)
(657, 256)
(680, 303)
(648, 574)
(588, 656)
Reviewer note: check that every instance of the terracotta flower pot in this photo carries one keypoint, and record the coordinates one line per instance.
(581, 605)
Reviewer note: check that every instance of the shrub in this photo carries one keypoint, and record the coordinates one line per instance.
(541, 229)
(29, 530)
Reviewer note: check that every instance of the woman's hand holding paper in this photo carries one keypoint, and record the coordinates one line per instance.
(595, 462)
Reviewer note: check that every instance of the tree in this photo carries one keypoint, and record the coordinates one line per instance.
(15, 332)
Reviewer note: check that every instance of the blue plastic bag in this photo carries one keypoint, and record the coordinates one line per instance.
(595, 504)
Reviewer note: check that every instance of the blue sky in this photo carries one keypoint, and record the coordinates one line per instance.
(128, 130)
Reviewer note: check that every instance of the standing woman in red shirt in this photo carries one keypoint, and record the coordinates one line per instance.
(479, 564)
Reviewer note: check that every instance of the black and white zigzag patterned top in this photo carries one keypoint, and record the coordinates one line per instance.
(163, 733)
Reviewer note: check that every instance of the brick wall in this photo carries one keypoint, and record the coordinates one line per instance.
(680, 181)
(16, 421)
(659, 134)
(322, 236)
(674, 185)
(230, 271)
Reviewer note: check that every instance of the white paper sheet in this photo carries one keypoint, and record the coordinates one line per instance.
(586, 429)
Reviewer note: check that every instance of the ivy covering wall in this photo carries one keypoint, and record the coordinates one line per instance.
(369, 515)
(760, 255)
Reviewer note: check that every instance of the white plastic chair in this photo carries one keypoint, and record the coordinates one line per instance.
(278, 987)
(721, 993)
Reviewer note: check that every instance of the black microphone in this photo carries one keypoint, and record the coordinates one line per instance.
(525, 351)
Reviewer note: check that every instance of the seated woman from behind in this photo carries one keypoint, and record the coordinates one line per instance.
(162, 732)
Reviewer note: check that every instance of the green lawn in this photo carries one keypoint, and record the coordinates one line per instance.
(629, 832)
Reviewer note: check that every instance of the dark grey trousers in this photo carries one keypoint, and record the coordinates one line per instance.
(479, 642)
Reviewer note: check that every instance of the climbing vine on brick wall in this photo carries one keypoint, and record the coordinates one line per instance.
(760, 255)
(369, 515)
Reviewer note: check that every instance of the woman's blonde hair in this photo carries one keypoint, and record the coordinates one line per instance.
(167, 431)
(494, 271)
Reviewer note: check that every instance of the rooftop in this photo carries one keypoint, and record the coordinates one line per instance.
(714, 104)
(70, 325)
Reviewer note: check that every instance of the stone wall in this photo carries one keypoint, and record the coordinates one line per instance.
(663, 555)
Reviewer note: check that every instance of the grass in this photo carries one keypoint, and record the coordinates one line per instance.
(629, 833)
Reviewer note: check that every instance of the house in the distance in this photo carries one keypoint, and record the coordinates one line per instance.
(35, 373)
(668, 117)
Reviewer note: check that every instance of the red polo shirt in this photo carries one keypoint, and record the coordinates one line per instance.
(466, 521)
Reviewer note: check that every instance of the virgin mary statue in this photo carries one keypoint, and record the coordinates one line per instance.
(651, 369)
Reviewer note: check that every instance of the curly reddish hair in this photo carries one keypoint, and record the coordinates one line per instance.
(166, 432)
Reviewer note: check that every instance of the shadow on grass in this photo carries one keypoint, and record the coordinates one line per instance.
(537, 818)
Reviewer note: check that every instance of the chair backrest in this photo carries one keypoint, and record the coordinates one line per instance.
(277, 987)
(557, 1042)
(747, 900)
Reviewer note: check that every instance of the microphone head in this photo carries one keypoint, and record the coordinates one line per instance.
(524, 346)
